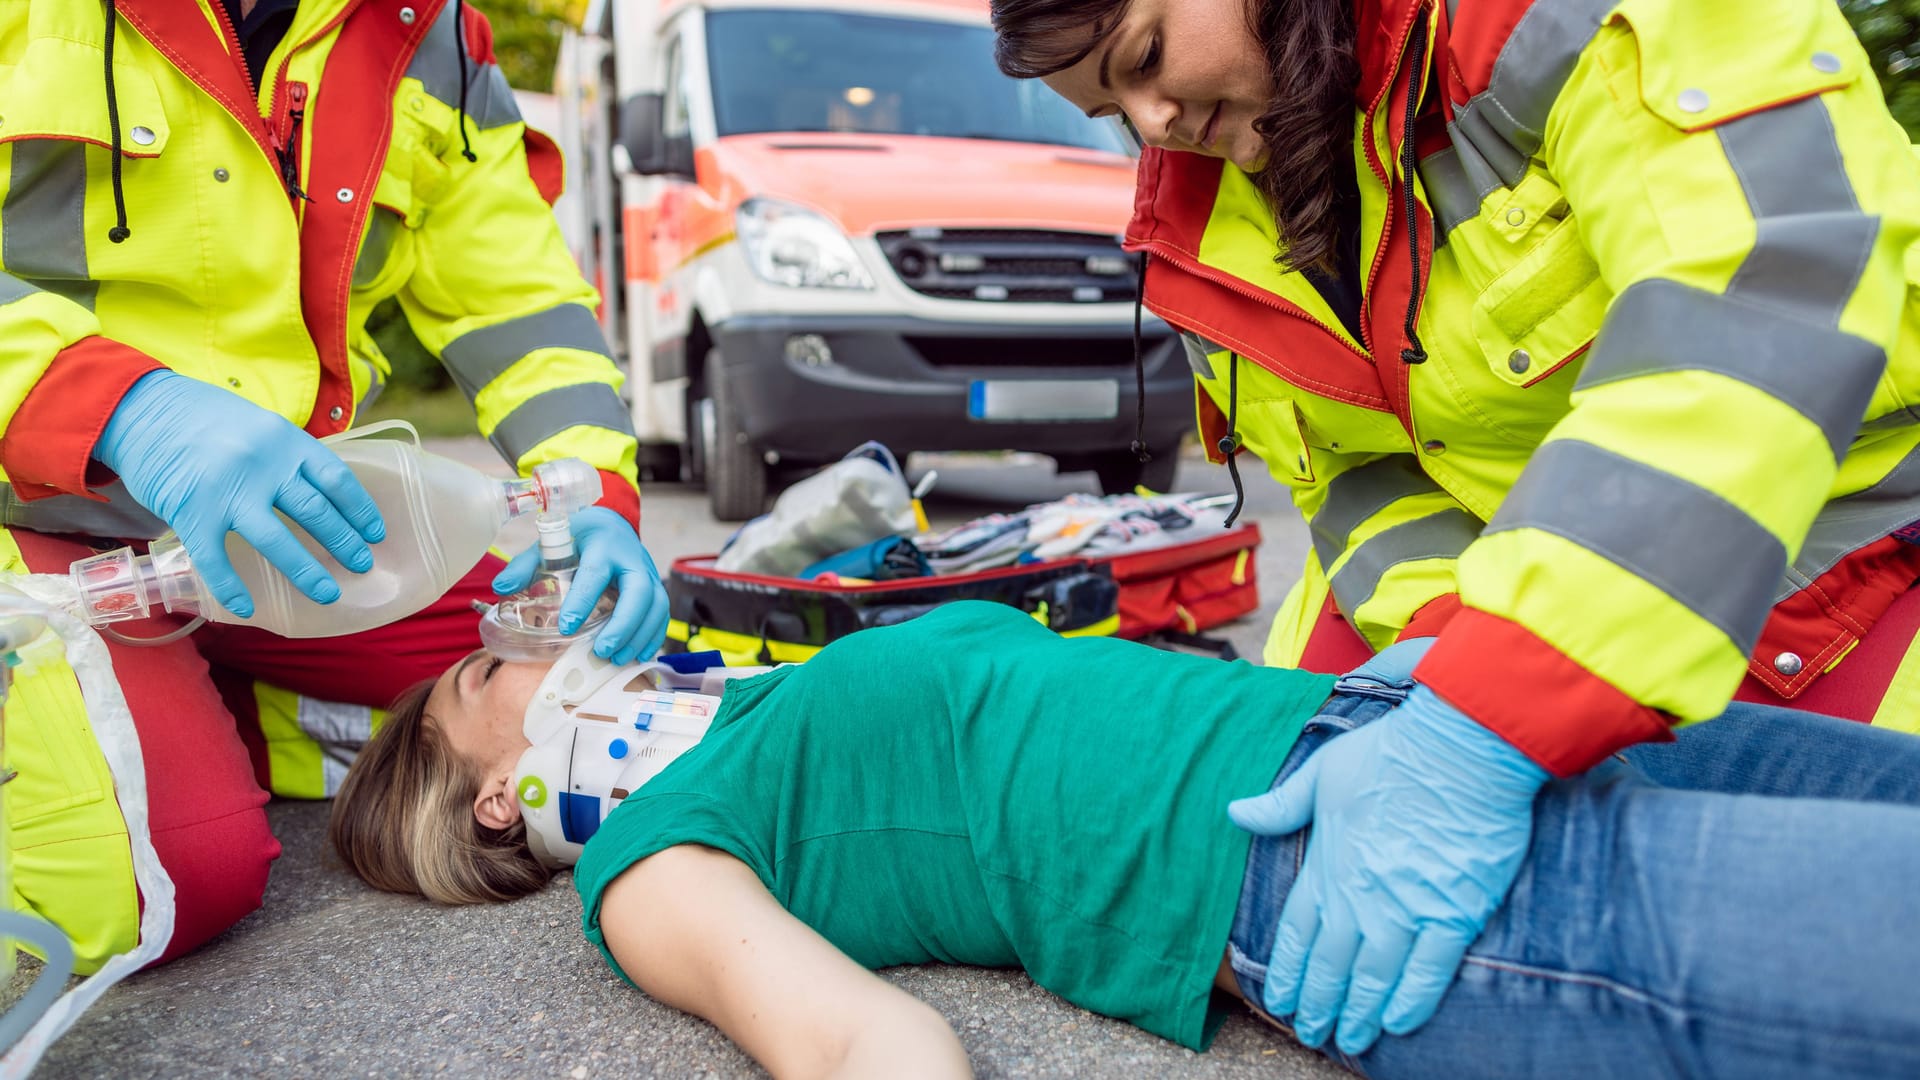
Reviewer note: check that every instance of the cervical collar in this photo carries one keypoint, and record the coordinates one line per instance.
(600, 731)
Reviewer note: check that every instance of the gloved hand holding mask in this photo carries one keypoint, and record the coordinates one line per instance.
(610, 553)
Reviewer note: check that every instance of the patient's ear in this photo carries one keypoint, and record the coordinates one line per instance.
(495, 806)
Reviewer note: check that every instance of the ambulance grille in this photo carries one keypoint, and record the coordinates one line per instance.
(1032, 266)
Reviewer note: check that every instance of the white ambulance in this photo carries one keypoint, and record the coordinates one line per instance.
(816, 223)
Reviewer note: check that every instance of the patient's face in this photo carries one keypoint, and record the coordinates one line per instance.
(481, 706)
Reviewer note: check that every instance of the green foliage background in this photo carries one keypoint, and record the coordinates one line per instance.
(1890, 30)
(526, 37)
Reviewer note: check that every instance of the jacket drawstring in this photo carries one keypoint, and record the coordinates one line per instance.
(1414, 353)
(1140, 370)
(460, 46)
(1229, 444)
(120, 231)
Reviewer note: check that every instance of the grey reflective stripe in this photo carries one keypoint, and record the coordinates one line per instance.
(1502, 127)
(335, 722)
(479, 357)
(543, 416)
(490, 102)
(1777, 326)
(1659, 325)
(383, 226)
(376, 382)
(1813, 241)
(1851, 522)
(334, 763)
(1904, 416)
(43, 221)
(1358, 494)
(1454, 196)
(12, 288)
(1199, 353)
(118, 517)
(1681, 538)
(1437, 536)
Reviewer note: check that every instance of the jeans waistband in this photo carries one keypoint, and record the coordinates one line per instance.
(1274, 861)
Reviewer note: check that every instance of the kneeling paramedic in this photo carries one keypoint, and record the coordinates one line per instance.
(203, 204)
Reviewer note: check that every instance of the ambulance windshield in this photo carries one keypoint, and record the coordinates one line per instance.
(787, 69)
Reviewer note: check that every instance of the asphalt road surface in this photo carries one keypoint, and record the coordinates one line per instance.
(333, 979)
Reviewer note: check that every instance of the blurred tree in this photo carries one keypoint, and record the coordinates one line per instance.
(526, 37)
(1890, 30)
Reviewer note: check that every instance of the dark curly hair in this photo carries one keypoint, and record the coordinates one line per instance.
(1307, 125)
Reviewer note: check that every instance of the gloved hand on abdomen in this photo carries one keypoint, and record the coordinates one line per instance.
(1420, 822)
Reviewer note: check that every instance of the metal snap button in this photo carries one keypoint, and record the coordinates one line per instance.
(336, 413)
(142, 135)
(1788, 664)
(221, 175)
(1434, 446)
(1693, 100)
(1827, 62)
(1516, 217)
(345, 194)
(1519, 361)
(407, 15)
(233, 382)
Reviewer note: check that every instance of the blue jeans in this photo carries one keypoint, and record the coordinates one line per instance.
(1744, 902)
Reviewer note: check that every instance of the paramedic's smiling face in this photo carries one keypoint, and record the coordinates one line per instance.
(481, 706)
(1189, 74)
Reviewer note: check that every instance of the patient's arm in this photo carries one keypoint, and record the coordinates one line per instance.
(695, 929)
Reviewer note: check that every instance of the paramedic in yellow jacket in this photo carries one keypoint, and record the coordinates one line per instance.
(1584, 333)
(203, 202)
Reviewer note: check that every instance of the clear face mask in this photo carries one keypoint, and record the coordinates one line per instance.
(599, 732)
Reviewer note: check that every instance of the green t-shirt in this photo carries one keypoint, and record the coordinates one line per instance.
(971, 788)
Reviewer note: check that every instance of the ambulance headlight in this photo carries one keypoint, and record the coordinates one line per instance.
(790, 245)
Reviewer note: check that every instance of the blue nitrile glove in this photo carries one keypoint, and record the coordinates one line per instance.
(1394, 664)
(207, 461)
(610, 553)
(1420, 820)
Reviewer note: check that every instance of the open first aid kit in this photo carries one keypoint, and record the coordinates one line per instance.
(849, 548)
(763, 619)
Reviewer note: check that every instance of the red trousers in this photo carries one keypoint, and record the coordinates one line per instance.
(202, 747)
(1851, 691)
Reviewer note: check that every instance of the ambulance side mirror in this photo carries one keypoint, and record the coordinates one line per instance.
(651, 151)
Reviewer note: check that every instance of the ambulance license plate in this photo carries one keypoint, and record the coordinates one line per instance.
(1043, 399)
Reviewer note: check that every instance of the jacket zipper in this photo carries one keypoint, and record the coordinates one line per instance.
(1394, 379)
(284, 152)
(288, 149)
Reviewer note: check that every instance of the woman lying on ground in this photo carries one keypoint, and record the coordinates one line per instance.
(958, 789)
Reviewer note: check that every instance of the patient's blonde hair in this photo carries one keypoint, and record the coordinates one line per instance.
(403, 820)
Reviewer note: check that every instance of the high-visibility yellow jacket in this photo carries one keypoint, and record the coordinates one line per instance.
(1665, 428)
(264, 224)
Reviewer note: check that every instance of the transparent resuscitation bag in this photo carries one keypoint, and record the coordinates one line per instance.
(441, 516)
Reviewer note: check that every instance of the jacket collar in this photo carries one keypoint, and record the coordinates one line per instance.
(1381, 28)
